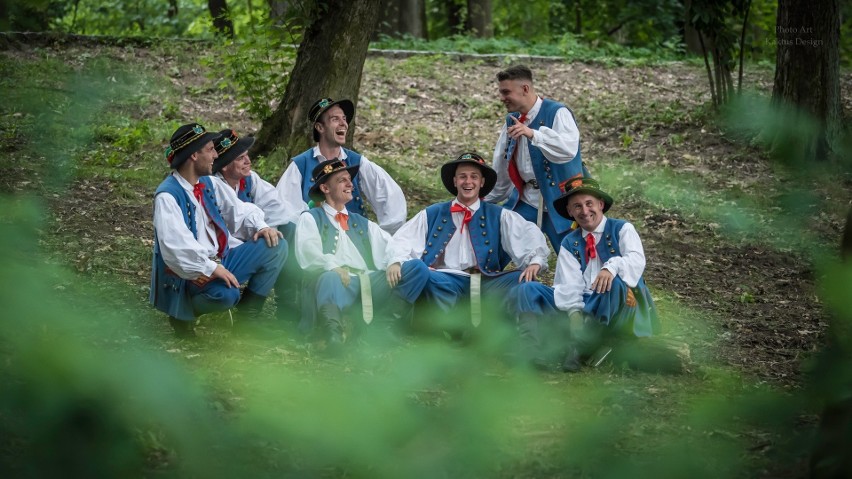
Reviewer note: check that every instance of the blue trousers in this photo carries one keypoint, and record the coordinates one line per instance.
(330, 289)
(610, 309)
(446, 289)
(530, 214)
(252, 261)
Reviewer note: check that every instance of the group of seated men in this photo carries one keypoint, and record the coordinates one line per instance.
(224, 237)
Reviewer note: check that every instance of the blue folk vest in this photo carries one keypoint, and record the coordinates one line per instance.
(484, 236)
(358, 233)
(169, 292)
(548, 175)
(645, 320)
(244, 189)
(306, 162)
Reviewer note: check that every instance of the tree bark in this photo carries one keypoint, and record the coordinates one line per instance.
(221, 20)
(479, 18)
(403, 17)
(329, 63)
(454, 18)
(807, 66)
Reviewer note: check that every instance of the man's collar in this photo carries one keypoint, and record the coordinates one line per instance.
(535, 108)
(317, 154)
(599, 229)
(473, 207)
(183, 181)
(329, 210)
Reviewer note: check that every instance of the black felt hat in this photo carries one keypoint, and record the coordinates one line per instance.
(574, 186)
(323, 172)
(185, 141)
(229, 148)
(322, 105)
(448, 171)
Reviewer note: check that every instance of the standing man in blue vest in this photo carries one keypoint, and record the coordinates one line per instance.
(462, 246)
(599, 272)
(194, 270)
(346, 253)
(233, 166)
(330, 122)
(538, 150)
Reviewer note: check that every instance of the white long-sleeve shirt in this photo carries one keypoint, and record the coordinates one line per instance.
(187, 256)
(268, 198)
(309, 250)
(570, 283)
(380, 190)
(521, 240)
(559, 144)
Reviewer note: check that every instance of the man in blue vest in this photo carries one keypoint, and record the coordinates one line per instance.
(462, 247)
(346, 253)
(537, 151)
(233, 166)
(194, 270)
(599, 272)
(330, 120)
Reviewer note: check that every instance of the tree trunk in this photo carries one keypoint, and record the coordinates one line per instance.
(221, 20)
(479, 18)
(403, 17)
(454, 18)
(807, 67)
(321, 71)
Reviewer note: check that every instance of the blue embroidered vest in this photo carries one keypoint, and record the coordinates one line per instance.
(306, 162)
(484, 236)
(169, 292)
(244, 190)
(358, 233)
(547, 174)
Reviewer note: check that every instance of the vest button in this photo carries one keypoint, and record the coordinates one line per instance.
(440, 228)
(487, 241)
(612, 251)
(552, 184)
(482, 225)
(429, 244)
(482, 217)
(434, 235)
(490, 251)
(444, 220)
(483, 233)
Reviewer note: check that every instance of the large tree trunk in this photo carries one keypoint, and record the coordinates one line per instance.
(221, 19)
(403, 17)
(807, 67)
(479, 18)
(328, 64)
(454, 16)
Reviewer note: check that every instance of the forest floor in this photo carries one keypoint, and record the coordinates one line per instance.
(732, 237)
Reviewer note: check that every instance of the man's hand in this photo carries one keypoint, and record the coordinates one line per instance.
(271, 235)
(394, 274)
(519, 129)
(530, 273)
(344, 276)
(221, 273)
(603, 282)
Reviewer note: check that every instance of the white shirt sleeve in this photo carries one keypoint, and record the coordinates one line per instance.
(560, 143)
(379, 240)
(568, 284)
(409, 240)
(268, 199)
(181, 252)
(631, 264)
(383, 194)
(290, 189)
(243, 219)
(309, 252)
(523, 241)
(503, 186)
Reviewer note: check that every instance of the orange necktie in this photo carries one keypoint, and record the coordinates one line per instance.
(343, 219)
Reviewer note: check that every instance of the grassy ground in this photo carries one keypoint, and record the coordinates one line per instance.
(732, 239)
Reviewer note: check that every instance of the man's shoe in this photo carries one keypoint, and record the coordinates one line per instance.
(183, 329)
(571, 363)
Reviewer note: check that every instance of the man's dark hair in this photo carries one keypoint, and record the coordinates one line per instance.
(517, 72)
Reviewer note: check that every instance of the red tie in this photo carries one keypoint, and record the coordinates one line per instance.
(343, 219)
(198, 191)
(591, 252)
(221, 236)
(514, 174)
(242, 184)
(457, 208)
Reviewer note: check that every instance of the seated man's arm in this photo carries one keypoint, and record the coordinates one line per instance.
(631, 264)
(568, 284)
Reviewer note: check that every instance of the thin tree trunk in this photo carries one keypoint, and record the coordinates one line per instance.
(742, 47)
(221, 20)
(479, 18)
(321, 72)
(578, 17)
(707, 66)
(454, 19)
